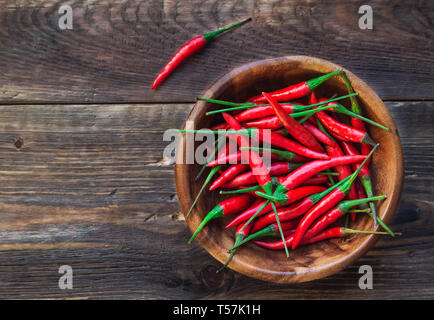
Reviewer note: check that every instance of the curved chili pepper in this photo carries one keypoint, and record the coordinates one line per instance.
(339, 211)
(326, 204)
(300, 133)
(247, 178)
(287, 144)
(283, 155)
(298, 176)
(255, 161)
(336, 232)
(339, 232)
(296, 210)
(342, 170)
(290, 197)
(224, 208)
(229, 174)
(236, 157)
(317, 180)
(321, 136)
(274, 122)
(296, 91)
(264, 111)
(187, 50)
(270, 230)
(341, 129)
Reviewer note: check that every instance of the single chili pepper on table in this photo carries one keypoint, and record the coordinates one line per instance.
(187, 50)
(296, 91)
(326, 204)
(225, 208)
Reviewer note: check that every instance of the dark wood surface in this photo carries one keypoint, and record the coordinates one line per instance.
(83, 181)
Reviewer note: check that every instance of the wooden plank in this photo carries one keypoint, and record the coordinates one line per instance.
(116, 48)
(84, 185)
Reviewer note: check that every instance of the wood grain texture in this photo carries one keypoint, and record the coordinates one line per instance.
(116, 48)
(68, 196)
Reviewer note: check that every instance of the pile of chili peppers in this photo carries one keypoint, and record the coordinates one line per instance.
(319, 171)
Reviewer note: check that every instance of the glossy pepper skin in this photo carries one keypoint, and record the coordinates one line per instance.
(296, 210)
(187, 50)
(300, 133)
(291, 196)
(255, 162)
(296, 91)
(225, 208)
(247, 178)
(306, 171)
(326, 204)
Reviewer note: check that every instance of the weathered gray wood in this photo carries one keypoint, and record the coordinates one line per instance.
(116, 48)
(85, 185)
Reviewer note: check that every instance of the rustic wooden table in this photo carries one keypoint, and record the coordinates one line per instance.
(83, 181)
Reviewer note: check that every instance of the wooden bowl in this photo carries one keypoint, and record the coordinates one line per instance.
(306, 262)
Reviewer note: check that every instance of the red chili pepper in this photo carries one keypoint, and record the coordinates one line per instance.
(291, 196)
(342, 170)
(338, 232)
(236, 157)
(270, 230)
(296, 210)
(247, 178)
(325, 204)
(225, 208)
(310, 169)
(274, 122)
(333, 215)
(287, 144)
(229, 174)
(321, 136)
(264, 111)
(187, 50)
(255, 161)
(316, 180)
(356, 122)
(341, 129)
(295, 91)
(300, 133)
(364, 177)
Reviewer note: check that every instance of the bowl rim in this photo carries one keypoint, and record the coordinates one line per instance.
(311, 274)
